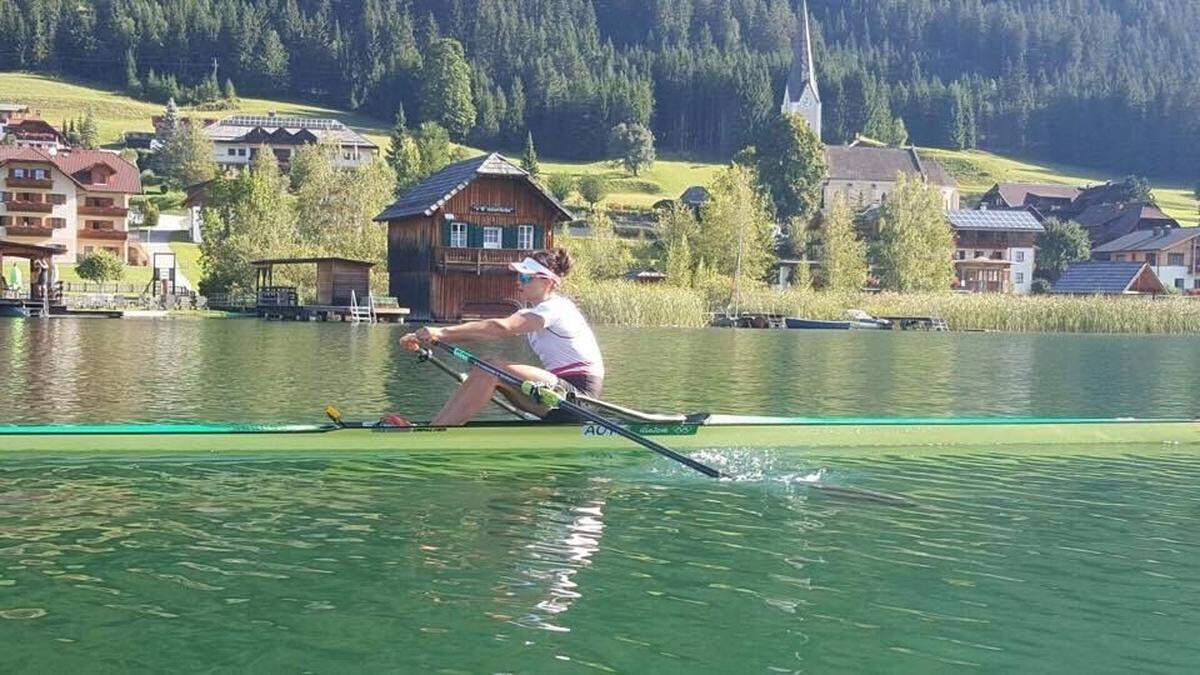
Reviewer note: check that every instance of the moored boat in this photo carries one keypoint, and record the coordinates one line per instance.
(13, 311)
(695, 432)
(818, 324)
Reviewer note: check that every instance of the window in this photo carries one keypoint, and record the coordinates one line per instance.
(1196, 284)
(58, 199)
(6, 196)
(17, 173)
(1151, 259)
(1179, 283)
(492, 237)
(41, 174)
(1175, 259)
(58, 223)
(458, 235)
(525, 237)
(233, 152)
(1019, 277)
(1120, 257)
(1019, 256)
(978, 254)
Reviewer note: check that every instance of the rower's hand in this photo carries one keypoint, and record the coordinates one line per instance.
(423, 337)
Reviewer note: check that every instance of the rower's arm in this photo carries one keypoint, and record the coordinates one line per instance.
(519, 323)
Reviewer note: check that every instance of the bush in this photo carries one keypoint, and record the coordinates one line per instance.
(593, 188)
(1040, 286)
(100, 266)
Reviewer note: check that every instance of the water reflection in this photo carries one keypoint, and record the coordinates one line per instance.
(249, 370)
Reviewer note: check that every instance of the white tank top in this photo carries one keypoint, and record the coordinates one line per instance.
(565, 344)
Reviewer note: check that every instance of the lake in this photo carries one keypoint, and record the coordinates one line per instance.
(1033, 561)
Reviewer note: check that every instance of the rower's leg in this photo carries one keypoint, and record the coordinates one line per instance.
(475, 394)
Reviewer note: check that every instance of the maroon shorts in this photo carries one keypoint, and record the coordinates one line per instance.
(585, 384)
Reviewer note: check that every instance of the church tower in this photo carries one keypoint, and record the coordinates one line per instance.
(800, 95)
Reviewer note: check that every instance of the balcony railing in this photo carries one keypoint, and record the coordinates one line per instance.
(478, 258)
(29, 231)
(36, 183)
(115, 235)
(23, 206)
(113, 211)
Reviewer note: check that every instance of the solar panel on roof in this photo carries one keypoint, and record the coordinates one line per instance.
(292, 122)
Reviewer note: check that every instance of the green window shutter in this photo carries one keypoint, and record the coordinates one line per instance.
(474, 236)
(446, 233)
(539, 236)
(509, 238)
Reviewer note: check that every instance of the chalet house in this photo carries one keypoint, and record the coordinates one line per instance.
(865, 175)
(1107, 278)
(76, 199)
(34, 133)
(1039, 197)
(994, 250)
(1107, 222)
(1105, 210)
(13, 112)
(451, 238)
(237, 140)
(1173, 254)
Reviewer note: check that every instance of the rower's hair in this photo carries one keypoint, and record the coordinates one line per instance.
(557, 260)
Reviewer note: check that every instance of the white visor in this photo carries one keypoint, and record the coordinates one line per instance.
(534, 268)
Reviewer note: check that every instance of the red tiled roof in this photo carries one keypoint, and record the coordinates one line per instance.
(76, 162)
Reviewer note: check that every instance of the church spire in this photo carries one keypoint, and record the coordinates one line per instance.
(800, 96)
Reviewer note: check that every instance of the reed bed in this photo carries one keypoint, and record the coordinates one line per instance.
(624, 303)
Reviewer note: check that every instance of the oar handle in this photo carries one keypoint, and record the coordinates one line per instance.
(578, 410)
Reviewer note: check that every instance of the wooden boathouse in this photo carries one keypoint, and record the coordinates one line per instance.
(451, 238)
(343, 292)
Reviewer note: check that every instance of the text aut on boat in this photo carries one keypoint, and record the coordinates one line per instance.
(556, 330)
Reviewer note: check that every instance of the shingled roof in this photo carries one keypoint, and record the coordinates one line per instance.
(861, 163)
(1107, 278)
(1015, 195)
(803, 75)
(1106, 222)
(430, 194)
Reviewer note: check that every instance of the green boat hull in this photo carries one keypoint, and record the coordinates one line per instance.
(715, 432)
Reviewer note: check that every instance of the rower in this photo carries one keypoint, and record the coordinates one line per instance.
(556, 331)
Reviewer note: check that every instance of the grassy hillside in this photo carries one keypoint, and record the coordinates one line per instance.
(976, 171)
(667, 179)
(56, 99)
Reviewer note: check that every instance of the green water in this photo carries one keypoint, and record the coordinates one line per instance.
(534, 562)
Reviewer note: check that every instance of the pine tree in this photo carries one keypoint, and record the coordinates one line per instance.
(170, 121)
(133, 85)
(529, 158)
(89, 131)
(446, 88)
(230, 94)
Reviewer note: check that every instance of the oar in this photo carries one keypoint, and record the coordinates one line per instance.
(550, 398)
(427, 356)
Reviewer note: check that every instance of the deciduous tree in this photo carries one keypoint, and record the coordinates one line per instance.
(790, 163)
(916, 243)
(843, 252)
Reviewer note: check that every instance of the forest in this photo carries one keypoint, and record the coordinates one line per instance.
(1107, 84)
